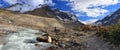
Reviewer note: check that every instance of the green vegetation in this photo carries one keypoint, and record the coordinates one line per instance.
(111, 33)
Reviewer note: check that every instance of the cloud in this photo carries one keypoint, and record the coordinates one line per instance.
(11, 2)
(27, 5)
(92, 8)
(90, 21)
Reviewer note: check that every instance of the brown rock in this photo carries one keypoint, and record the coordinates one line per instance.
(37, 44)
(41, 39)
(47, 39)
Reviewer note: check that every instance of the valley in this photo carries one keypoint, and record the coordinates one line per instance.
(19, 32)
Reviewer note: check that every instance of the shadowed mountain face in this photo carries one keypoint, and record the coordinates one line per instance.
(44, 11)
(110, 19)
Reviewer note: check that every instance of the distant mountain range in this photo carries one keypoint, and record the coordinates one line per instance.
(110, 19)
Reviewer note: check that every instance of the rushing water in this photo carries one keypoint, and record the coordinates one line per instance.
(18, 41)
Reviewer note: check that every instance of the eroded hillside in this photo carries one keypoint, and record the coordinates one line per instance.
(28, 21)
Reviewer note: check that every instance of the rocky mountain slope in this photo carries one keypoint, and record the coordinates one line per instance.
(65, 18)
(28, 21)
(110, 19)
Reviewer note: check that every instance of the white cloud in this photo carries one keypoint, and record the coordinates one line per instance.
(27, 5)
(92, 8)
(11, 1)
(90, 21)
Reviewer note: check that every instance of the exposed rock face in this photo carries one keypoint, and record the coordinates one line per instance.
(65, 15)
(110, 19)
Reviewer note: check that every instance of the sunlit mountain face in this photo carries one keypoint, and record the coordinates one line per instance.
(87, 11)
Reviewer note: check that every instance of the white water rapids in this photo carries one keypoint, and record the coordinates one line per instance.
(16, 41)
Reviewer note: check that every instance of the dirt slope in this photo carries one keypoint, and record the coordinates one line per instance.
(25, 20)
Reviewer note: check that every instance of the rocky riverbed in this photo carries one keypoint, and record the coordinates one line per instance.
(62, 39)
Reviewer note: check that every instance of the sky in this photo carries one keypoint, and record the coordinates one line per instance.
(87, 11)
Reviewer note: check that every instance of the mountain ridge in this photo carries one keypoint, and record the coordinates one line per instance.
(110, 19)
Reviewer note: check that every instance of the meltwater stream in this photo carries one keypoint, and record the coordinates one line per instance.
(16, 41)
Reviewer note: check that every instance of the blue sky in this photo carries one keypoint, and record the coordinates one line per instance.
(87, 11)
(4, 4)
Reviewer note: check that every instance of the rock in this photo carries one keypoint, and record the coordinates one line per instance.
(41, 39)
(54, 42)
(10, 21)
(61, 44)
(47, 39)
(37, 44)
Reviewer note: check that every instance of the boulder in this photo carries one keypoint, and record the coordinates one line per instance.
(41, 39)
(47, 39)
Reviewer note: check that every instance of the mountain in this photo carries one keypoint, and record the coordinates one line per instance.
(66, 18)
(44, 17)
(27, 20)
(46, 11)
(110, 19)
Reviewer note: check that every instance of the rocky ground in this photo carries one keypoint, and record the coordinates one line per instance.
(61, 39)
(73, 40)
